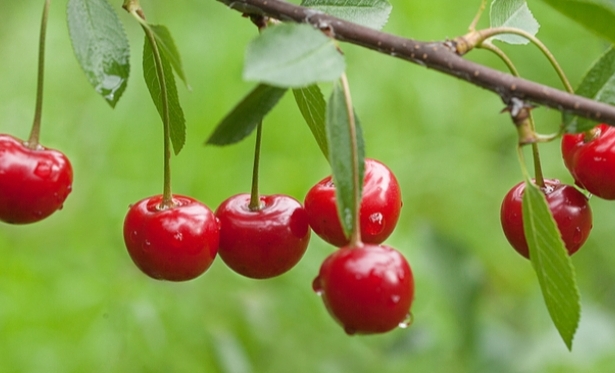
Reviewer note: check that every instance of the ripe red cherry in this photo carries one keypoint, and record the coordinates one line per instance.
(34, 183)
(263, 243)
(591, 161)
(176, 243)
(379, 211)
(570, 209)
(367, 289)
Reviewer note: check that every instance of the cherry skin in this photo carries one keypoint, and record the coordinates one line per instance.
(591, 161)
(380, 206)
(367, 289)
(569, 207)
(266, 242)
(175, 243)
(34, 183)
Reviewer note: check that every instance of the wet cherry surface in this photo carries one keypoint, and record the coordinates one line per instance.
(570, 209)
(379, 212)
(591, 160)
(266, 242)
(177, 243)
(34, 183)
(367, 289)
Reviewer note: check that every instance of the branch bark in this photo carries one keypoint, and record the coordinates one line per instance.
(439, 56)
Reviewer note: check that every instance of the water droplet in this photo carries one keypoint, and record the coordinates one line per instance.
(349, 330)
(407, 321)
(43, 170)
(577, 237)
(395, 299)
(376, 223)
(317, 286)
(178, 236)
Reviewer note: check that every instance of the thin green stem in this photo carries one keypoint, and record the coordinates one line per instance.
(255, 203)
(524, 171)
(481, 9)
(355, 234)
(486, 34)
(535, 152)
(133, 7)
(33, 140)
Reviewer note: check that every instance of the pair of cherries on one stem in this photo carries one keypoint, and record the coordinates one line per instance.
(590, 158)
(180, 242)
(366, 287)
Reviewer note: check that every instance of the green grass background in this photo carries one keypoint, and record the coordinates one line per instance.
(71, 300)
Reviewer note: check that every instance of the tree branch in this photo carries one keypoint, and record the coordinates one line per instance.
(440, 56)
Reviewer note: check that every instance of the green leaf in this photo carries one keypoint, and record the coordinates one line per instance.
(341, 156)
(167, 47)
(292, 55)
(244, 118)
(598, 84)
(513, 13)
(370, 13)
(313, 107)
(596, 15)
(176, 114)
(100, 45)
(551, 262)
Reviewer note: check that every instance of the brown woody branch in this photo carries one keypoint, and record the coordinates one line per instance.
(439, 56)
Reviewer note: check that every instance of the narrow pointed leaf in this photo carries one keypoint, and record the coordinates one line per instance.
(100, 45)
(370, 13)
(313, 107)
(244, 118)
(597, 16)
(552, 264)
(176, 114)
(168, 48)
(292, 55)
(341, 156)
(598, 84)
(513, 13)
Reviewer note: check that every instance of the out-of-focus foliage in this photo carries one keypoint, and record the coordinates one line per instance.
(72, 301)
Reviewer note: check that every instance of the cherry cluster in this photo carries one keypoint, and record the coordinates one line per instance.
(590, 158)
(367, 287)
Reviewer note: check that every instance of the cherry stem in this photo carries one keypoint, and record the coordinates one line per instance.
(481, 9)
(255, 203)
(535, 152)
(483, 35)
(33, 140)
(355, 233)
(133, 7)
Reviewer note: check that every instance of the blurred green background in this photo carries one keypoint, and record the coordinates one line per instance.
(71, 300)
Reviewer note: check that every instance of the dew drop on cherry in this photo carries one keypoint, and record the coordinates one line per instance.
(407, 321)
(42, 170)
(317, 286)
(350, 331)
(375, 224)
(578, 235)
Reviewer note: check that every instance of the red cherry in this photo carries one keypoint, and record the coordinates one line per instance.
(176, 243)
(380, 206)
(263, 243)
(367, 289)
(592, 161)
(34, 183)
(570, 209)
